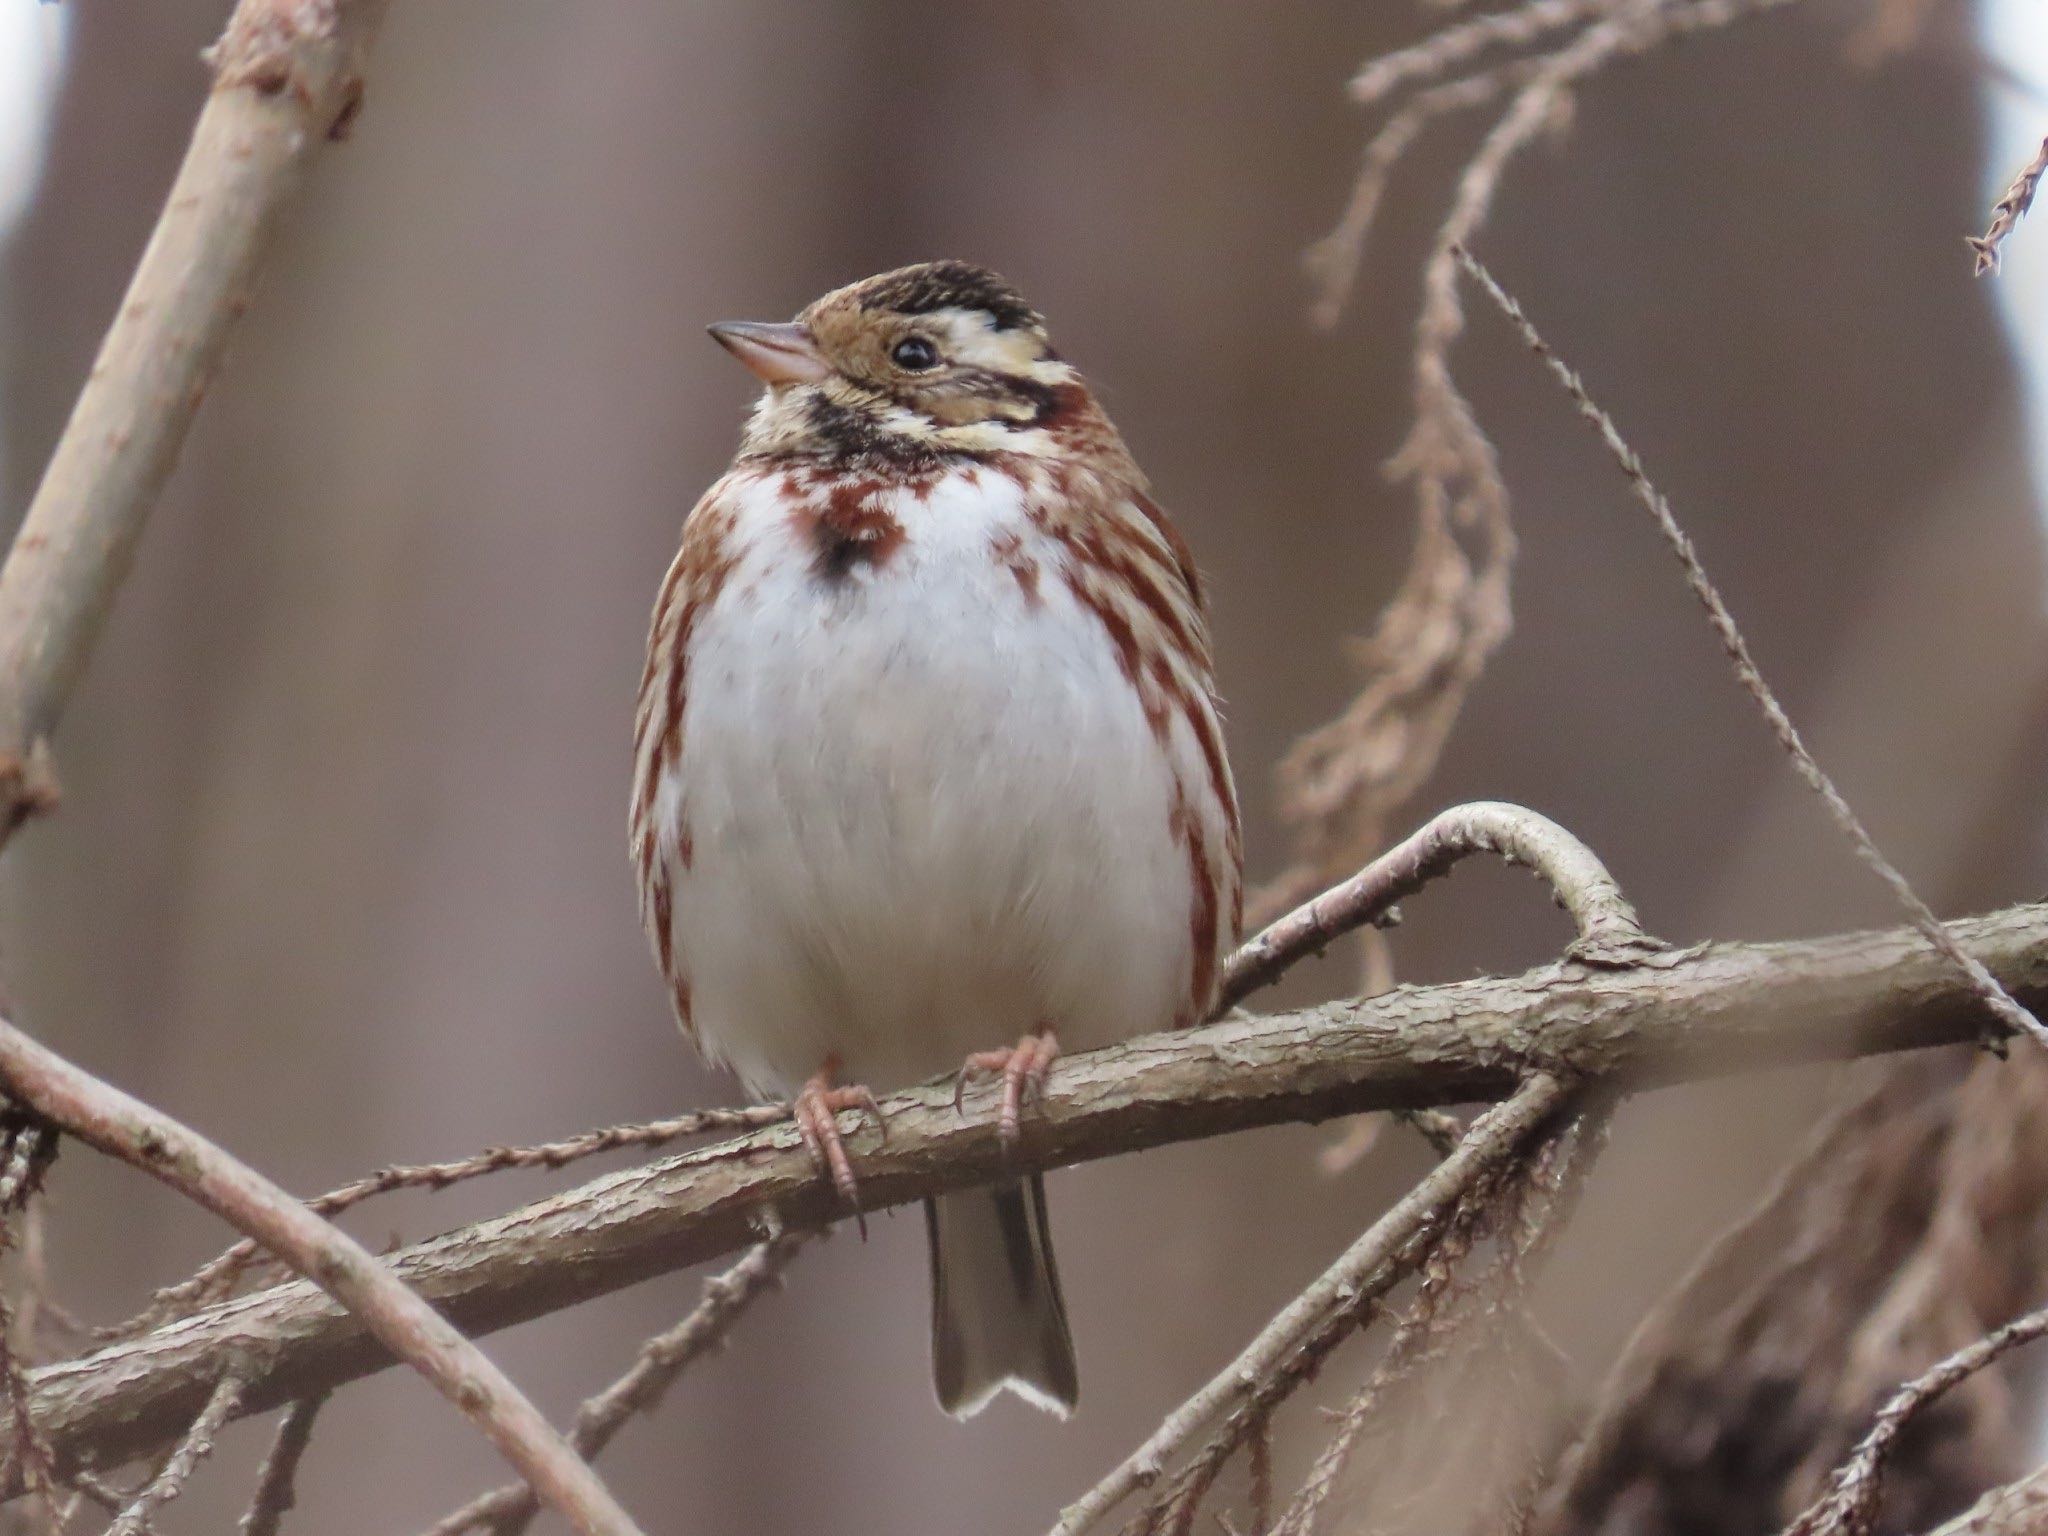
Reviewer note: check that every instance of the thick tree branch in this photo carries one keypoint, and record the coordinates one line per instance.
(287, 75)
(1673, 1017)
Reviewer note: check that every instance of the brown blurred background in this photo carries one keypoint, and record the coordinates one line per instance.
(340, 874)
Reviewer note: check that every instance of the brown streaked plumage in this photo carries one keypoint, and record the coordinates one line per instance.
(928, 764)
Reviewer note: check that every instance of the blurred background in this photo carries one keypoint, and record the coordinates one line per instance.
(340, 873)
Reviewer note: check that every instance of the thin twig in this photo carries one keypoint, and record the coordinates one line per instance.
(277, 1482)
(2007, 212)
(1364, 1270)
(138, 1519)
(1608, 931)
(124, 1127)
(1446, 49)
(218, 1276)
(1849, 1507)
(1685, 1016)
(2003, 1006)
(509, 1510)
(2016, 1509)
(287, 76)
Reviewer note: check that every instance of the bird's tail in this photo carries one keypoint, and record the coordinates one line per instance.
(998, 1319)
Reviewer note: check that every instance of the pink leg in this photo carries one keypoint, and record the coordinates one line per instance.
(1024, 1068)
(816, 1112)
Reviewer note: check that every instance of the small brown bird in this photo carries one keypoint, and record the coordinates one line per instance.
(928, 767)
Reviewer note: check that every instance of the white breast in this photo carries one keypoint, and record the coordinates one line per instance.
(924, 807)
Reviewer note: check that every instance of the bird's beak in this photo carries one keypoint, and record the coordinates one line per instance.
(774, 354)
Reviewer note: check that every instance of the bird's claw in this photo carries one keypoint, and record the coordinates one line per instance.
(816, 1110)
(1023, 1067)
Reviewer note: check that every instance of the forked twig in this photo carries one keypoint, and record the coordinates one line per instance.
(1445, 49)
(2002, 1004)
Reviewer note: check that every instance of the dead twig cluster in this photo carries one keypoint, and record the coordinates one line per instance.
(1343, 782)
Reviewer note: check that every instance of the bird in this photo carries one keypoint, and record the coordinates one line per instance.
(929, 769)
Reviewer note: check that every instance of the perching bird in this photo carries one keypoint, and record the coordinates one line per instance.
(928, 767)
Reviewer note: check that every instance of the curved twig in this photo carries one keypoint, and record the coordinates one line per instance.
(1609, 932)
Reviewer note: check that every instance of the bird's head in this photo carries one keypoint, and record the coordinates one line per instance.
(943, 359)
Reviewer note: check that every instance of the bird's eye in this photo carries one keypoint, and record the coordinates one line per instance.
(913, 354)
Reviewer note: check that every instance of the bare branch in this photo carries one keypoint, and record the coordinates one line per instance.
(277, 1481)
(2007, 212)
(508, 1511)
(1608, 929)
(287, 76)
(1675, 1016)
(138, 1519)
(1849, 1508)
(125, 1128)
(2003, 1006)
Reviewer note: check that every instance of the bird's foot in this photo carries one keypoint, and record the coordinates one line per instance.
(1023, 1067)
(816, 1111)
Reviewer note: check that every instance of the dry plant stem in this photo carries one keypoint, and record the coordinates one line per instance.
(1336, 258)
(218, 1276)
(286, 75)
(2003, 1006)
(139, 1518)
(1607, 925)
(1849, 1507)
(1676, 1016)
(277, 1481)
(2007, 212)
(509, 1510)
(1446, 49)
(125, 1128)
(1364, 1269)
